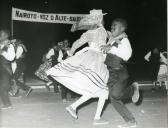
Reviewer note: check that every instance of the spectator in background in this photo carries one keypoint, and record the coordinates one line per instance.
(154, 57)
(18, 67)
(49, 59)
(7, 55)
(65, 91)
(162, 74)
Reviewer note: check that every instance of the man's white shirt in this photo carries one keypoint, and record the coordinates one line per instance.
(51, 53)
(18, 54)
(123, 50)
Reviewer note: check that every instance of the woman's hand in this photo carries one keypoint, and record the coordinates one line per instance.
(117, 41)
(105, 48)
(74, 27)
(70, 52)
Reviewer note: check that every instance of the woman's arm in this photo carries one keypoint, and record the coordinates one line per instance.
(78, 43)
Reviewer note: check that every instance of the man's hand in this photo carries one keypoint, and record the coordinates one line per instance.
(105, 48)
(117, 41)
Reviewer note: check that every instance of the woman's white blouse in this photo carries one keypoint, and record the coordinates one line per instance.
(95, 39)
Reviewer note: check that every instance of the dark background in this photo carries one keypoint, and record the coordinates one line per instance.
(146, 19)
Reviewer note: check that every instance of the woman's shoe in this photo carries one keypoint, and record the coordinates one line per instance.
(72, 112)
(128, 125)
(100, 122)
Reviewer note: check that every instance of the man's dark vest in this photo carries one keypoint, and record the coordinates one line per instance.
(16, 45)
(65, 55)
(55, 57)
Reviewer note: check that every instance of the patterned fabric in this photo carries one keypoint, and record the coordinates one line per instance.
(41, 71)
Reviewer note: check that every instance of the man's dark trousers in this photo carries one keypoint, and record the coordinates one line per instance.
(118, 86)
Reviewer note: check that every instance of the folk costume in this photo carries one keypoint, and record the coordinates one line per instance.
(86, 73)
(7, 55)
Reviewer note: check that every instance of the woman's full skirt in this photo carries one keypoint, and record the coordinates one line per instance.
(85, 74)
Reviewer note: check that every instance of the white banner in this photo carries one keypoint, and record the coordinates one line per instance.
(24, 15)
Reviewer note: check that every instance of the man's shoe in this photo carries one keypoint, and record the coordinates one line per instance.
(128, 125)
(100, 122)
(49, 83)
(16, 96)
(136, 95)
(72, 112)
(29, 91)
(5, 107)
(64, 100)
(11, 93)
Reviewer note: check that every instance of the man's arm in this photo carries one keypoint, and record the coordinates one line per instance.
(19, 52)
(163, 58)
(147, 56)
(50, 53)
(60, 56)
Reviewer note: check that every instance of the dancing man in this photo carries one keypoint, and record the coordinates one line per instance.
(118, 51)
(18, 67)
(7, 55)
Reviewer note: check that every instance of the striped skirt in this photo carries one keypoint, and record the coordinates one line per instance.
(85, 74)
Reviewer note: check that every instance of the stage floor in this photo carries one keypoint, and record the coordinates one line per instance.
(43, 109)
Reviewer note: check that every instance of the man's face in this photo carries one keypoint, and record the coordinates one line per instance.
(66, 43)
(60, 44)
(3, 36)
(55, 46)
(116, 29)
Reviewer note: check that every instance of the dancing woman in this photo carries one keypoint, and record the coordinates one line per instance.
(86, 73)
